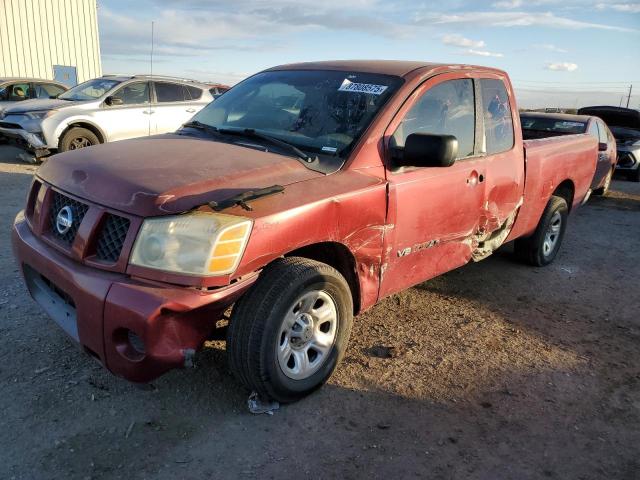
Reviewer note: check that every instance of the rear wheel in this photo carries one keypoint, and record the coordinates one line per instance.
(541, 248)
(76, 138)
(634, 176)
(288, 333)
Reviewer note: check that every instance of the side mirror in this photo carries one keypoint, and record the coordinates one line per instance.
(113, 101)
(427, 150)
(602, 147)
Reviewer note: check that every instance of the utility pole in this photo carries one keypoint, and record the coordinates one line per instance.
(629, 96)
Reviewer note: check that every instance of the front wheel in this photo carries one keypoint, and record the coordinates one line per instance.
(634, 176)
(76, 138)
(541, 248)
(290, 330)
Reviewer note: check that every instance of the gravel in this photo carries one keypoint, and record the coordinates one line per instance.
(496, 370)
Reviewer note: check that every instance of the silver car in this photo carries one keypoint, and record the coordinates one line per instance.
(102, 110)
(18, 89)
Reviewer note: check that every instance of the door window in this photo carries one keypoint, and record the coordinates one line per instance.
(134, 94)
(602, 133)
(48, 90)
(593, 131)
(445, 109)
(498, 124)
(16, 92)
(192, 93)
(169, 92)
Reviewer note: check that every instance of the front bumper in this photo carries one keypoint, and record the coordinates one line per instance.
(100, 309)
(28, 140)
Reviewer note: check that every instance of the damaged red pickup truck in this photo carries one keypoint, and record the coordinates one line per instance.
(301, 197)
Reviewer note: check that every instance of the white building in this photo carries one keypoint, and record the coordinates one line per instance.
(52, 39)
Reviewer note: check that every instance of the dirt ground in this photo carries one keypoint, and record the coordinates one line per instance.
(496, 370)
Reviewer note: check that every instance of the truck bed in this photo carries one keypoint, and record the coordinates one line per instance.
(548, 163)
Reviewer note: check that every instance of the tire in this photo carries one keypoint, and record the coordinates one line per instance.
(541, 248)
(258, 338)
(635, 175)
(76, 138)
(604, 189)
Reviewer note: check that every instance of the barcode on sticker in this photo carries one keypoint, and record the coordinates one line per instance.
(349, 86)
(329, 149)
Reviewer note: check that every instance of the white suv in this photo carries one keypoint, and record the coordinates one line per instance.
(103, 110)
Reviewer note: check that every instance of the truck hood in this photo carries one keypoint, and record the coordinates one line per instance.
(39, 105)
(168, 174)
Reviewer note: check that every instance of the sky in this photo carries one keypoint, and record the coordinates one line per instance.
(566, 53)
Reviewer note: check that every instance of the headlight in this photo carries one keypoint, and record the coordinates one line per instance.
(197, 243)
(42, 114)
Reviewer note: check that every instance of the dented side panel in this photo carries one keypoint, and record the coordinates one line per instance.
(347, 208)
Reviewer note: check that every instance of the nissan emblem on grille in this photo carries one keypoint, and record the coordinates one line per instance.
(64, 220)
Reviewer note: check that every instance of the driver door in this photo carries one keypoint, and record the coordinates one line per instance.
(434, 211)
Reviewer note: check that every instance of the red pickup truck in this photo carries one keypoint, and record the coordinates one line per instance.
(301, 197)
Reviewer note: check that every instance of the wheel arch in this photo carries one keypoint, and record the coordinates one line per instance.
(566, 189)
(83, 124)
(338, 256)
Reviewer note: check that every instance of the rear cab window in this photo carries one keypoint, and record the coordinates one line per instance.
(496, 111)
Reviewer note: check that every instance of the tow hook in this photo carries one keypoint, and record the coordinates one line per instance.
(189, 354)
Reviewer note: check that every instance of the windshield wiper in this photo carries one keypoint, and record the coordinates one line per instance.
(201, 126)
(251, 133)
(241, 199)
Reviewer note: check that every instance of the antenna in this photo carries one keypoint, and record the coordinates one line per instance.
(629, 96)
(152, 24)
(151, 76)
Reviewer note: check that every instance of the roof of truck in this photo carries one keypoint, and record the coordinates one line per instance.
(399, 68)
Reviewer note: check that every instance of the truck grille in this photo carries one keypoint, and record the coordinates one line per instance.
(78, 210)
(111, 238)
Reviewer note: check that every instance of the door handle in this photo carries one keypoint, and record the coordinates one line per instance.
(475, 178)
(191, 110)
(149, 112)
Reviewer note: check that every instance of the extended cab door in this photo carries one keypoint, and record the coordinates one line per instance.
(501, 145)
(433, 212)
(127, 116)
(605, 157)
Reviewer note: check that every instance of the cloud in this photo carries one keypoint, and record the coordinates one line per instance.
(562, 66)
(460, 41)
(194, 27)
(620, 7)
(549, 47)
(508, 4)
(481, 53)
(511, 19)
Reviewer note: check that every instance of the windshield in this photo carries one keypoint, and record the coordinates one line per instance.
(553, 125)
(89, 90)
(323, 112)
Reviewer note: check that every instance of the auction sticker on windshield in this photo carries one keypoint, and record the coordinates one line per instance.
(349, 86)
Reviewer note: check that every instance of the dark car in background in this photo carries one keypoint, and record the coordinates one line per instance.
(536, 125)
(624, 123)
